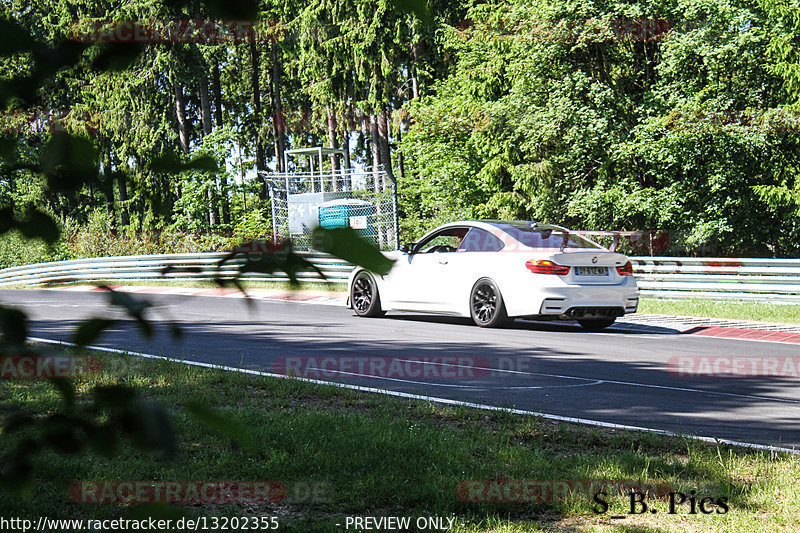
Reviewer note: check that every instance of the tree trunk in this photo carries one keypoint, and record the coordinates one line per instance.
(108, 187)
(205, 117)
(385, 151)
(416, 51)
(261, 164)
(205, 103)
(334, 143)
(376, 143)
(401, 172)
(180, 112)
(278, 120)
(122, 185)
(216, 87)
(183, 128)
(377, 183)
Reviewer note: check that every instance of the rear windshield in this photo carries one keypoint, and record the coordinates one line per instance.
(544, 236)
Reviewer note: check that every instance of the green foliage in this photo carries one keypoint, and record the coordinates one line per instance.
(782, 30)
(687, 133)
(17, 250)
(253, 225)
(199, 180)
(59, 173)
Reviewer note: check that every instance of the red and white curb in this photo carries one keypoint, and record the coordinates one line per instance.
(713, 327)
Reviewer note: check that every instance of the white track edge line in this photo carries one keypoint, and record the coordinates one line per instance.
(445, 401)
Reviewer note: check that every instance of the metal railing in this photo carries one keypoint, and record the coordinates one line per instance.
(719, 278)
(662, 277)
(203, 267)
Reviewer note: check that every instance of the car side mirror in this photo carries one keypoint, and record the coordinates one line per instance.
(407, 247)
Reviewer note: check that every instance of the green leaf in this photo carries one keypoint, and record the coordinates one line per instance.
(17, 423)
(116, 56)
(21, 90)
(89, 330)
(17, 478)
(15, 38)
(289, 262)
(114, 397)
(227, 282)
(102, 440)
(175, 331)
(7, 221)
(172, 163)
(37, 224)
(13, 326)
(346, 244)
(220, 423)
(149, 427)
(66, 389)
(135, 308)
(418, 7)
(59, 433)
(132, 305)
(239, 10)
(68, 162)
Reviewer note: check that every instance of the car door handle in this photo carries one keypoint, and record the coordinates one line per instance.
(442, 262)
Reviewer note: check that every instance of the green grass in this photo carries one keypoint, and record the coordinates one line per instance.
(766, 312)
(377, 455)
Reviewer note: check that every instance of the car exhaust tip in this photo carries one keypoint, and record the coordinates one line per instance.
(594, 312)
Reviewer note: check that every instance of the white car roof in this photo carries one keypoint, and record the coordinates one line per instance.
(488, 224)
(491, 226)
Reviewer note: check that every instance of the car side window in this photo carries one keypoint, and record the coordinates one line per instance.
(445, 241)
(480, 240)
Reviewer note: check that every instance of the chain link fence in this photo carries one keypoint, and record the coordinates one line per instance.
(363, 199)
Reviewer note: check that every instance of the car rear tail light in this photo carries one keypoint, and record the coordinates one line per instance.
(626, 269)
(546, 267)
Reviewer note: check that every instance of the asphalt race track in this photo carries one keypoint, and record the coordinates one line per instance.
(619, 376)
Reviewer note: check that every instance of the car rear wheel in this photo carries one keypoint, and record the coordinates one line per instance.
(364, 296)
(486, 305)
(596, 324)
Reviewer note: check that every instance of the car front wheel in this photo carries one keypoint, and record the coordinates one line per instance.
(486, 305)
(364, 296)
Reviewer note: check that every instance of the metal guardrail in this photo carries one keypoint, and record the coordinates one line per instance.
(152, 267)
(770, 280)
(662, 277)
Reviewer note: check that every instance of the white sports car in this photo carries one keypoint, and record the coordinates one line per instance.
(494, 271)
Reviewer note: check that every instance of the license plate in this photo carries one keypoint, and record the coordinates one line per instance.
(591, 271)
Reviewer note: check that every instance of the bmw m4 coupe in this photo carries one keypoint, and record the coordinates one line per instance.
(494, 271)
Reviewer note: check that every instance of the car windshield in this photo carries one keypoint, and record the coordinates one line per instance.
(544, 236)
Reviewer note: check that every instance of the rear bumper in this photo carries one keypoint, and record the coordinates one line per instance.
(570, 301)
(577, 307)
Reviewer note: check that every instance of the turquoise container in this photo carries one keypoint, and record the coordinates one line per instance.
(356, 214)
